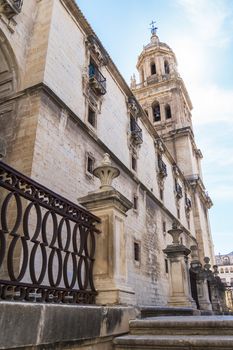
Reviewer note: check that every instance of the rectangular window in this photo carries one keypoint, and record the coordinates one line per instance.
(166, 266)
(91, 117)
(164, 228)
(178, 213)
(161, 194)
(90, 165)
(135, 202)
(134, 163)
(136, 252)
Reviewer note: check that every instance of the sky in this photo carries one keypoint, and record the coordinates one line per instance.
(200, 32)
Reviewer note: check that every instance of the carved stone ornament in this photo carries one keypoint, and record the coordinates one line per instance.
(160, 146)
(132, 106)
(175, 232)
(106, 173)
(10, 8)
(175, 170)
(97, 51)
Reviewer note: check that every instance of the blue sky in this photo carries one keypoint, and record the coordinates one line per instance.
(200, 33)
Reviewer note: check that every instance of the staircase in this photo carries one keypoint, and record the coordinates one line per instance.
(178, 333)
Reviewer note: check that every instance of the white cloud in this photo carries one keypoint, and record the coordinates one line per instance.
(199, 57)
(208, 18)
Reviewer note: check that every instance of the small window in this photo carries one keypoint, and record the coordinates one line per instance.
(153, 68)
(134, 162)
(178, 213)
(164, 228)
(156, 112)
(166, 67)
(168, 112)
(91, 117)
(136, 252)
(146, 112)
(135, 202)
(226, 270)
(221, 270)
(161, 194)
(90, 165)
(166, 266)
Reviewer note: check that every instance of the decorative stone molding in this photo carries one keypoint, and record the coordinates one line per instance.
(10, 8)
(106, 173)
(160, 146)
(133, 107)
(93, 100)
(97, 51)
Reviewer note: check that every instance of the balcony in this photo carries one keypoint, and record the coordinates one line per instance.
(97, 80)
(178, 189)
(136, 131)
(162, 167)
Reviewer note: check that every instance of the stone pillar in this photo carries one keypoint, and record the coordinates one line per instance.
(110, 269)
(177, 254)
(212, 286)
(201, 282)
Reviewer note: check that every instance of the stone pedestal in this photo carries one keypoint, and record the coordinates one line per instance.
(203, 294)
(177, 254)
(110, 268)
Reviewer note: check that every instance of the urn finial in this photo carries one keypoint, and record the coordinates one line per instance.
(106, 173)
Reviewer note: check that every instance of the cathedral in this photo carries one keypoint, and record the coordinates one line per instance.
(111, 168)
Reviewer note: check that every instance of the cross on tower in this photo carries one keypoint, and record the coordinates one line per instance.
(153, 28)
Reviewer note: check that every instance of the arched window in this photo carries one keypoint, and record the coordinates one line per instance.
(168, 112)
(166, 67)
(152, 68)
(226, 270)
(226, 260)
(221, 270)
(156, 112)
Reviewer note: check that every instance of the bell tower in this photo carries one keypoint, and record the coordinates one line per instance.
(164, 98)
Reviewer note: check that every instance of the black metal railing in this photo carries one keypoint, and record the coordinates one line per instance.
(178, 189)
(47, 244)
(136, 131)
(162, 167)
(97, 80)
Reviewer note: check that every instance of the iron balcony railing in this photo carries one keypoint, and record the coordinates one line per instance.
(47, 244)
(97, 80)
(136, 131)
(162, 167)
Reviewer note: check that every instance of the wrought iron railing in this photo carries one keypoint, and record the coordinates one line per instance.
(47, 244)
(136, 131)
(97, 80)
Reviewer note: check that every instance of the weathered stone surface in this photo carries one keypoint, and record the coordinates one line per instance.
(54, 326)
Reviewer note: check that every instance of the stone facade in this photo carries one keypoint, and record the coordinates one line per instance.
(63, 104)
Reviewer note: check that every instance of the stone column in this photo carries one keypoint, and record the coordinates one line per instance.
(110, 270)
(202, 287)
(177, 254)
(212, 285)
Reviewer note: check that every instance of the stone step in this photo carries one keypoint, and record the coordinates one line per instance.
(183, 325)
(154, 311)
(173, 342)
